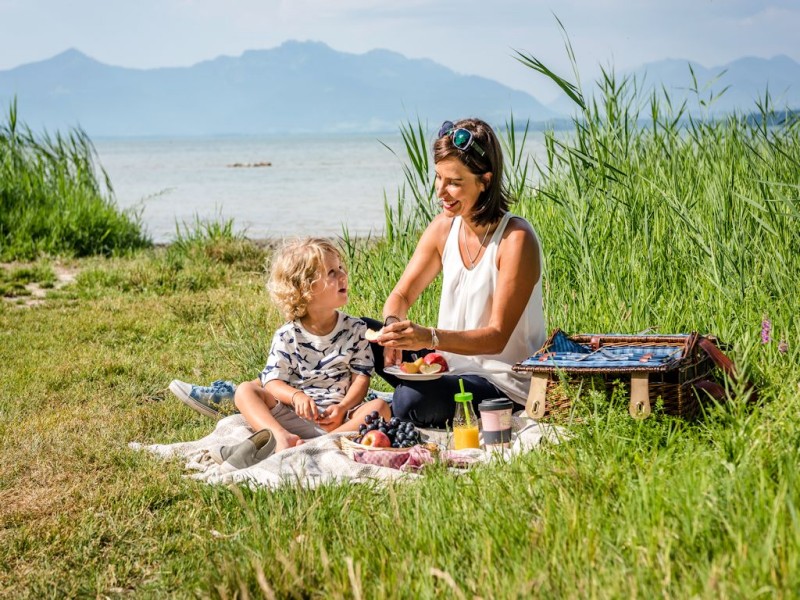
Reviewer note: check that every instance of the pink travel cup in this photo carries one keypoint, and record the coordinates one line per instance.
(496, 422)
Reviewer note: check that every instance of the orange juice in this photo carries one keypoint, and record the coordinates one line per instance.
(465, 437)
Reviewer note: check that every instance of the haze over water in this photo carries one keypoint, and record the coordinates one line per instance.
(314, 185)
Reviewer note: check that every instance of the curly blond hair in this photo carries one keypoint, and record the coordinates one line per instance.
(296, 266)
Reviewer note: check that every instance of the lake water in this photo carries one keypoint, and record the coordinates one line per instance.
(314, 186)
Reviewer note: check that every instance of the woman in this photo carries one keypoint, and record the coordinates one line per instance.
(490, 311)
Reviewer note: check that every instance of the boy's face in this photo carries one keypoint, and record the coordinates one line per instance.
(330, 290)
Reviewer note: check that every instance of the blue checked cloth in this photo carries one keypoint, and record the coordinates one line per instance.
(564, 353)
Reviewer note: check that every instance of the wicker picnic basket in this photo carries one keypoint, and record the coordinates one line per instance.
(350, 447)
(675, 372)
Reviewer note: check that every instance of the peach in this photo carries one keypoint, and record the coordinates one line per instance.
(412, 367)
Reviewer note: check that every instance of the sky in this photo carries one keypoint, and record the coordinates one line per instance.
(473, 37)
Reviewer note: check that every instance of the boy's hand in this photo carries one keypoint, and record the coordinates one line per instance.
(305, 407)
(333, 417)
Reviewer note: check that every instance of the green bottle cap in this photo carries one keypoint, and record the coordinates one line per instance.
(463, 396)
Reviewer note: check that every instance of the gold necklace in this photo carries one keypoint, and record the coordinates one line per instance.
(466, 247)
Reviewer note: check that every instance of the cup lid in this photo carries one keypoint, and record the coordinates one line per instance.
(464, 396)
(495, 404)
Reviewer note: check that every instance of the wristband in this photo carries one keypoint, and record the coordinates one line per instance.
(291, 401)
(434, 339)
(395, 317)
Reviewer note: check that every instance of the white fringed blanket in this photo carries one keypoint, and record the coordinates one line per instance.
(321, 460)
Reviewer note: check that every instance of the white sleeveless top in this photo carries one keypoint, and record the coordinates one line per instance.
(466, 303)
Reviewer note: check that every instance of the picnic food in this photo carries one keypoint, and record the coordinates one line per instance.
(412, 367)
(401, 434)
(433, 363)
(434, 358)
(427, 365)
(465, 423)
(466, 437)
(371, 335)
(377, 439)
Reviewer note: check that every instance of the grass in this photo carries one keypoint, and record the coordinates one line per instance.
(677, 227)
(56, 200)
(14, 280)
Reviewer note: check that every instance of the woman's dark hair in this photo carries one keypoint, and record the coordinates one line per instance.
(493, 202)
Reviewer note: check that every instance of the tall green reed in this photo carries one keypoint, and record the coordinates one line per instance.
(651, 217)
(648, 216)
(56, 199)
(376, 264)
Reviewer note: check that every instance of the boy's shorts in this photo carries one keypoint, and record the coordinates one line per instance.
(300, 426)
(294, 424)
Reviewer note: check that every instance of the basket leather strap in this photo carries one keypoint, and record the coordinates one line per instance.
(639, 406)
(712, 388)
(536, 395)
(719, 357)
(726, 364)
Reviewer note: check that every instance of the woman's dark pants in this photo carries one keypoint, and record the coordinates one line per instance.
(429, 403)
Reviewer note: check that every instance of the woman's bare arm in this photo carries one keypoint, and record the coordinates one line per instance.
(519, 271)
(421, 270)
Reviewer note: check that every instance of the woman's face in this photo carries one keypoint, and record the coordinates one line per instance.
(458, 188)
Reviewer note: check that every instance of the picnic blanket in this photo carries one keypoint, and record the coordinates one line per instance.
(321, 460)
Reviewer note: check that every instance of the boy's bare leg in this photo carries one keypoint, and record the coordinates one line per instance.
(256, 406)
(362, 411)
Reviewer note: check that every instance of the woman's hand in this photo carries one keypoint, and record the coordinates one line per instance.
(333, 417)
(404, 335)
(305, 406)
(392, 357)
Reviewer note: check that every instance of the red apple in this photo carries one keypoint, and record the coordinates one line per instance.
(434, 358)
(430, 369)
(376, 439)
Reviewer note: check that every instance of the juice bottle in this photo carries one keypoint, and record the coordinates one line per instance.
(465, 423)
(465, 437)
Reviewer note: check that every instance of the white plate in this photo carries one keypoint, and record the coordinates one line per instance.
(395, 370)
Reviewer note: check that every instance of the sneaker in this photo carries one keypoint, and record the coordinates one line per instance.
(245, 454)
(211, 400)
(375, 394)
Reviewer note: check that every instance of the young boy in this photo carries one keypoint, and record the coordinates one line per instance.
(319, 366)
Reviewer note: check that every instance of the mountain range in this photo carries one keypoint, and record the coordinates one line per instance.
(736, 86)
(296, 87)
(309, 87)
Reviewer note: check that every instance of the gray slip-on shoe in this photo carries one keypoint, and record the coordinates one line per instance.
(245, 454)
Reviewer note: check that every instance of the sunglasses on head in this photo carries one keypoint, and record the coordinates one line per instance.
(463, 139)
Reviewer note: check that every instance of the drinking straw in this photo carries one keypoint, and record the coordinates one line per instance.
(466, 412)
